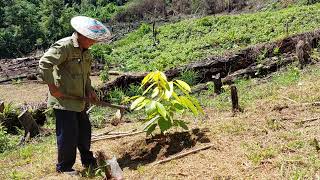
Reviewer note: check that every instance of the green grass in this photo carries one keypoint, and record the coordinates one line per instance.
(250, 90)
(194, 39)
(22, 162)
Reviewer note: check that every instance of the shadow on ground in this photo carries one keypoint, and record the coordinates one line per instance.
(158, 147)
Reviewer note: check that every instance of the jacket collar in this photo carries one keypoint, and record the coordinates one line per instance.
(74, 39)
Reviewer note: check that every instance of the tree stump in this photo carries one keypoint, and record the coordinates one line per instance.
(217, 83)
(1, 106)
(235, 100)
(303, 50)
(29, 124)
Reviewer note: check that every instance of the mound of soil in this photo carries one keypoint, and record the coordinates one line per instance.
(146, 151)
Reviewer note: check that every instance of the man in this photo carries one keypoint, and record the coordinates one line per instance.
(66, 67)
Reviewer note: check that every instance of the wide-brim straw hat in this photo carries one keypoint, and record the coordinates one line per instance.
(90, 28)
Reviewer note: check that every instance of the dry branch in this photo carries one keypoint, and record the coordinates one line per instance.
(182, 154)
(307, 120)
(115, 136)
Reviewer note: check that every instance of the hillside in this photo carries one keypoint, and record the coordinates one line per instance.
(191, 40)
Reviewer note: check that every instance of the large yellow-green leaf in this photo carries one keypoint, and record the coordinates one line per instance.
(151, 121)
(196, 103)
(164, 124)
(163, 76)
(189, 104)
(162, 111)
(177, 105)
(136, 102)
(147, 78)
(151, 107)
(155, 92)
(168, 93)
(184, 85)
(142, 104)
(164, 84)
(148, 88)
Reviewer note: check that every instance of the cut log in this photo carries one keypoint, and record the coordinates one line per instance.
(182, 154)
(28, 123)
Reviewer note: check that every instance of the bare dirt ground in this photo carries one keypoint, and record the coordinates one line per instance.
(29, 92)
(273, 138)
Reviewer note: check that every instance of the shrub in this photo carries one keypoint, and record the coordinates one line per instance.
(5, 142)
(190, 76)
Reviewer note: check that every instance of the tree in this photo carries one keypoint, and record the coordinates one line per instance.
(51, 24)
(20, 28)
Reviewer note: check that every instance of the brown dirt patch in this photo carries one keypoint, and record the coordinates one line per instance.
(30, 92)
(145, 151)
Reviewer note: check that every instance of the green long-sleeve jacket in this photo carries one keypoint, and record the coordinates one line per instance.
(68, 67)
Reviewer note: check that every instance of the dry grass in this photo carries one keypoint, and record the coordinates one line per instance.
(263, 142)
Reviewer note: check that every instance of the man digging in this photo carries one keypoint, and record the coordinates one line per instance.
(66, 67)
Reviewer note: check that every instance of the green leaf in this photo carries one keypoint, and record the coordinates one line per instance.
(189, 104)
(142, 104)
(178, 105)
(147, 78)
(155, 92)
(151, 107)
(151, 129)
(164, 84)
(162, 111)
(163, 76)
(148, 88)
(164, 124)
(151, 121)
(182, 124)
(169, 92)
(196, 103)
(136, 102)
(184, 85)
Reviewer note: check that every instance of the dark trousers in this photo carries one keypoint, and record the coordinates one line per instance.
(73, 130)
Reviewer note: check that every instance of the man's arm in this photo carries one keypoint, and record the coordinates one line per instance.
(54, 56)
(90, 93)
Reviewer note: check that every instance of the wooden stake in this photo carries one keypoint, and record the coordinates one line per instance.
(235, 100)
(182, 155)
(1, 106)
(28, 124)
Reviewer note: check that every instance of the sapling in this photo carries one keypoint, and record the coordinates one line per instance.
(162, 100)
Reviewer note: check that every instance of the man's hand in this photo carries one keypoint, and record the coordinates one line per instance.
(92, 96)
(54, 91)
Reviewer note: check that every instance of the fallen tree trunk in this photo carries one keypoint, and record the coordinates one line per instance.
(257, 70)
